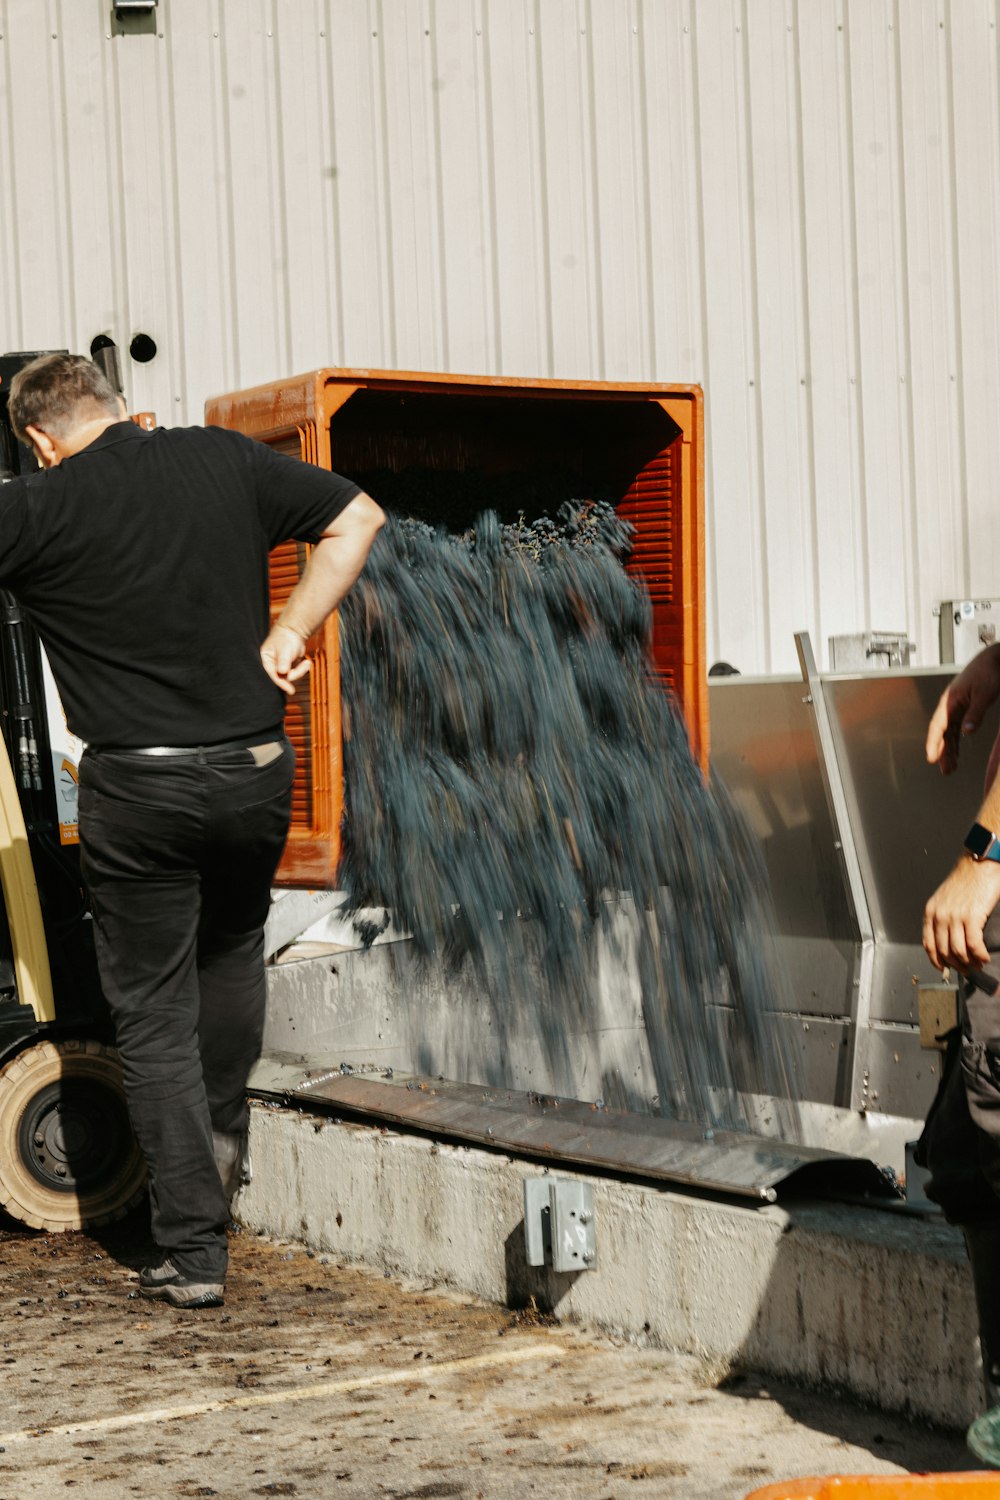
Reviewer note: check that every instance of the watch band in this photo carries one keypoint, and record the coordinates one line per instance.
(982, 844)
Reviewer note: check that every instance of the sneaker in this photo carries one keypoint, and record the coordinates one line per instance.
(170, 1285)
(983, 1438)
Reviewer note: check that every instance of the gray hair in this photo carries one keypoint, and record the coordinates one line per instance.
(58, 392)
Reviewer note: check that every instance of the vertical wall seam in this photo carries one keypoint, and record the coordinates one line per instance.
(337, 334)
(712, 595)
(754, 311)
(808, 403)
(68, 242)
(230, 232)
(277, 154)
(178, 362)
(58, 170)
(125, 287)
(176, 273)
(599, 344)
(958, 351)
(911, 549)
(859, 407)
(642, 107)
(10, 177)
(487, 147)
(543, 190)
(389, 288)
(439, 169)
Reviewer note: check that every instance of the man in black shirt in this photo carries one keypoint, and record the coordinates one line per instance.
(142, 560)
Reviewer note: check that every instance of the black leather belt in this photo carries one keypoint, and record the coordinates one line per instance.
(251, 743)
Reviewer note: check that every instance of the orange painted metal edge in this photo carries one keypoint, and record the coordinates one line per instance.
(689, 413)
(281, 406)
(298, 396)
(973, 1484)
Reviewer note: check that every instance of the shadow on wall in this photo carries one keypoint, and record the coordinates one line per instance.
(887, 1320)
(534, 1293)
(884, 1308)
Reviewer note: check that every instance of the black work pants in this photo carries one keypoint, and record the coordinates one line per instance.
(179, 854)
(960, 1143)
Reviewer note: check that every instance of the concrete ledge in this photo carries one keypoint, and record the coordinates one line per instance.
(878, 1305)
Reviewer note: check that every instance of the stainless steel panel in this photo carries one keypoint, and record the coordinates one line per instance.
(908, 821)
(902, 1078)
(820, 1047)
(764, 748)
(905, 823)
(898, 1080)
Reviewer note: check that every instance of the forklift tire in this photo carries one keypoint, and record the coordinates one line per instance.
(68, 1158)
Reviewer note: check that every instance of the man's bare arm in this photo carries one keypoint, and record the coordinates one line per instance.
(333, 566)
(961, 708)
(957, 912)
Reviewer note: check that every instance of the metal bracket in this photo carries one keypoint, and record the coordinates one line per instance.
(836, 796)
(559, 1224)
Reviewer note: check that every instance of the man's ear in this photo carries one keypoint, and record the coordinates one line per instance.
(46, 451)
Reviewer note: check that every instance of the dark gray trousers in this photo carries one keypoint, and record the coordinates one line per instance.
(179, 855)
(960, 1144)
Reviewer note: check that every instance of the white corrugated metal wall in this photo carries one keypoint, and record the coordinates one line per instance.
(794, 202)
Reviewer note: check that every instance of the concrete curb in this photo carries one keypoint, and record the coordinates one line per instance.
(877, 1305)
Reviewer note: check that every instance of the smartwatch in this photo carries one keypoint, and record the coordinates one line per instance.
(982, 844)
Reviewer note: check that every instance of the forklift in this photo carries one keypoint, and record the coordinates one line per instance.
(68, 1158)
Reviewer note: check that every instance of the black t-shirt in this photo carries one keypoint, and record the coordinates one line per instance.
(142, 563)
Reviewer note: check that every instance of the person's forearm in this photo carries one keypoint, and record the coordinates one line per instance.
(955, 917)
(333, 566)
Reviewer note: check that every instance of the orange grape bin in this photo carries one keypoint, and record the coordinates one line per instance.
(641, 445)
(974, 1485)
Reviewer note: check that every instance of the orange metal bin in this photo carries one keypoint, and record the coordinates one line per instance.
(641, 444)
(974, 1485)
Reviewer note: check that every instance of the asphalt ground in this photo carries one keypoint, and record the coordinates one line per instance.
(319, 1379)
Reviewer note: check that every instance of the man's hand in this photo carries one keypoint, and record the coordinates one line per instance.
(283, 655)
(956, 914)
(961, 708)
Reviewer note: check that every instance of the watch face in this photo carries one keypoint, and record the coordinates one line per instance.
(978, 840)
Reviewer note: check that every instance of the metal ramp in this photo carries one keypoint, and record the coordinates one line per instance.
(567, 1131)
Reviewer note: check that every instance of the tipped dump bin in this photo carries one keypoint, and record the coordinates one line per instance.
(640, 446)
